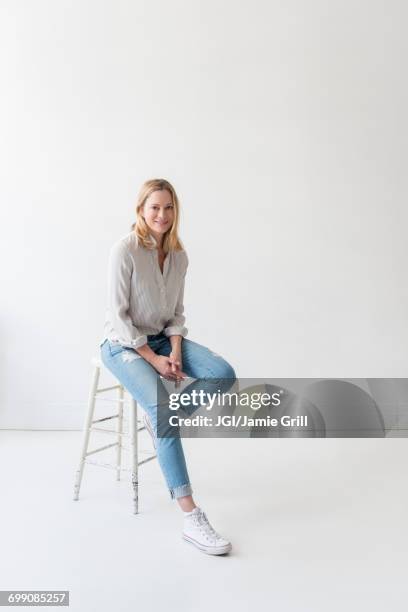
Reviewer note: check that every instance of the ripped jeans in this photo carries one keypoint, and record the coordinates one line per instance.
(141, 381)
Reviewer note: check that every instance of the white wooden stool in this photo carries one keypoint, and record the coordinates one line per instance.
(89, 426)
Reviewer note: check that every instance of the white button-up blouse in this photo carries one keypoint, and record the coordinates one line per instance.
(141, 300)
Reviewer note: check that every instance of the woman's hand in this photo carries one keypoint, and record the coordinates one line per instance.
(176, 359)
(169, 367)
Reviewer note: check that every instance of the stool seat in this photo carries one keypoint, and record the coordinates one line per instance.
(92, 424)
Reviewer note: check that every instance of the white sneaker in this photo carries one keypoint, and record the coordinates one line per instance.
(149, 428)
(198, 531)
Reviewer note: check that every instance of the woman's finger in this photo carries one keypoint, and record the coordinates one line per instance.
(170, 376)
(181, 375)
(171, 372)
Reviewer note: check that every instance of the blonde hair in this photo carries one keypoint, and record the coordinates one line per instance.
(171, 240)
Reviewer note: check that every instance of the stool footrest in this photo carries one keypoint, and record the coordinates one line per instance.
(114, 416)
(104, 389)
(148, 459)
(110, 466)
(101, 448)
(113, 431)
(140, 451)
(113, 399)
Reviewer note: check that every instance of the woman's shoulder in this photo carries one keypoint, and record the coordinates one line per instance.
(182, 258)
(126, 244)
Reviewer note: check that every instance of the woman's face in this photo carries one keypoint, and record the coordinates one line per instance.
(158, 211)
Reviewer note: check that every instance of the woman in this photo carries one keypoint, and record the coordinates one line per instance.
(145, 338)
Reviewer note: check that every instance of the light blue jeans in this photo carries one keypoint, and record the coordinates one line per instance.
(141, 380)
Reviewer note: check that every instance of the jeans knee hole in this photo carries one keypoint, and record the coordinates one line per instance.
(128, 356)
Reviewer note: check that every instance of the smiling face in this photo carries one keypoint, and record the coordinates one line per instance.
(158, 212)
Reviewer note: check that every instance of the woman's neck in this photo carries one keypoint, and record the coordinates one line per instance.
(159, 240)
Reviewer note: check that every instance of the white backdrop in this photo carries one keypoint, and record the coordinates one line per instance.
(282, 125)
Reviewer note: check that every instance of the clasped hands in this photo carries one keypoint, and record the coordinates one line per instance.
(170, 367)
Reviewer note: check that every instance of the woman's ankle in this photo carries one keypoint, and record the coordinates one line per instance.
(186, 503)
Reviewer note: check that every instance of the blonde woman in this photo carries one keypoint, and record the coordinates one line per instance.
(145, 338)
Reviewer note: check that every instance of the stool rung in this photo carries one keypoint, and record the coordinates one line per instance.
(101, 448)
(109, 431)
(126, 448)
(140, 451)
(113, 431)
(104, 389)
(114, 416)
(110, 466)
(112, 399)
(148, 459)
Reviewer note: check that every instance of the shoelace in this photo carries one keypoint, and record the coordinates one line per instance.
(203, 523)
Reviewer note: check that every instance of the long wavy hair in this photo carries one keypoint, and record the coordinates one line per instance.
(171, 240)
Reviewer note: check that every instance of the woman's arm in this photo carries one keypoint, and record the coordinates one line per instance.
(175, 326)
(119, 275)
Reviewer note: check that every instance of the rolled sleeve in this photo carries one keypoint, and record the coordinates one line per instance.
(120, 273)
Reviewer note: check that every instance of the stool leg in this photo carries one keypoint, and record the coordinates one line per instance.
(120, 431)
(134, 453)
(86, 431)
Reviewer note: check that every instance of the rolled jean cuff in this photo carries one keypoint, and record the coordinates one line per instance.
(181, 491)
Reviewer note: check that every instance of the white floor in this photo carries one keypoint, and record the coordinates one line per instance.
(315, 525)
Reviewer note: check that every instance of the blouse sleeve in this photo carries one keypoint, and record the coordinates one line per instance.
(175, 326)
(120, 270)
